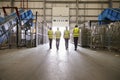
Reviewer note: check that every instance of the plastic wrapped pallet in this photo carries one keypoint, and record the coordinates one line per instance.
(98, 36)
(113, 33)
(104, 36)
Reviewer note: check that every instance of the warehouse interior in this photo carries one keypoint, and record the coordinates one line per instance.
(24, 43)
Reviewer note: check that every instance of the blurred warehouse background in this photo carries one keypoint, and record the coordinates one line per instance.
(24, 48)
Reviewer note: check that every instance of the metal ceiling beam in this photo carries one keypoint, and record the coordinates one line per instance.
(70, 8)
(116, 1)
(4, 0)
(70, 21)
(30, 0)
(80, 2)
(74, 15)
(87, 8)
(103, 2)
(86, 15)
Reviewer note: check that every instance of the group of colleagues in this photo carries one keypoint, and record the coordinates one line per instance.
(66, 36)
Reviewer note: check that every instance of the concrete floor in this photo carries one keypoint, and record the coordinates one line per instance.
(40, 63)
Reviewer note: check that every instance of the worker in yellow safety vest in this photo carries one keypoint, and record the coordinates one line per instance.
(66, 36)
(57, 35)
(76, 34)
(50, 36)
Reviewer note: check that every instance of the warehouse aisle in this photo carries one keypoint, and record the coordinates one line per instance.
(40, 63)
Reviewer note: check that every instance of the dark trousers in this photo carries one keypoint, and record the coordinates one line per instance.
(66, 43)
(50, 43)
(57, 43)
(75, 42)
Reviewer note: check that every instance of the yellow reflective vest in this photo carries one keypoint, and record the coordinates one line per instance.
(50, 34)
(57, 34)
(76, 32)
(66, 34)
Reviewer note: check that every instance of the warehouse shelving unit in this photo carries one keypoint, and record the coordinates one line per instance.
(18, 29)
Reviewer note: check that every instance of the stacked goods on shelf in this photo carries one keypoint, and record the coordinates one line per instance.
(102, 32)
(105, 36)
(118, 36)
(94, 37)
(114, 36)
(11, 28)
(88, 36)
(98, 36)
(85, 37)
(42, 32)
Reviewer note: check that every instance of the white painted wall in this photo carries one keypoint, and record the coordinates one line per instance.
(60, 16)
(60, 11)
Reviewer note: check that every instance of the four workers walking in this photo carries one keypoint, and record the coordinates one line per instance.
(66, 36)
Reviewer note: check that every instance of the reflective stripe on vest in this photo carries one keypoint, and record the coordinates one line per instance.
(76, 32)
(50, 34)
(66, 34)
(58, 34)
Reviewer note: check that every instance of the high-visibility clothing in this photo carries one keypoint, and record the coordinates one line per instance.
(57, 34)
(76, 32)
(50, 34)
(66, 34)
